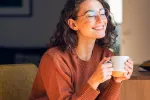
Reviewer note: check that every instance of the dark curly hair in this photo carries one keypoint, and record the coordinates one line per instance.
(66, 38)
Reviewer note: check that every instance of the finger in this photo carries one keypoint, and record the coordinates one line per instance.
(108, 61)
(108, 77)
(130, 61)
(107, 65)
(104, 60)
(106, 70)
(128, 70)
(127, 76)
(129, 65)
(109, 73)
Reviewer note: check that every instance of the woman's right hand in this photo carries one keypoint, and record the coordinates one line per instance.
(101, 74)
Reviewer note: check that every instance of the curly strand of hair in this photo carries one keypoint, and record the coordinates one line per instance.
(66, 38)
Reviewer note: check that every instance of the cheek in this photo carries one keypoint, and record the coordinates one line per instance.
(85, 23)
(85, 26)
(88, 25)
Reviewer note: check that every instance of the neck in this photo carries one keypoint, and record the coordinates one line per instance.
(84, 48)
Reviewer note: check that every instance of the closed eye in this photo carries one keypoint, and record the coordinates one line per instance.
(91, 14)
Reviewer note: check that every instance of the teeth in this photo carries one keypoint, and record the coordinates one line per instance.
(100, 27)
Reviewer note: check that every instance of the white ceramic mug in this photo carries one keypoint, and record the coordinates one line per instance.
(118, 63)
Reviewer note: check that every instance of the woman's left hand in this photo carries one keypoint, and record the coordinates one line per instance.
(127, 75)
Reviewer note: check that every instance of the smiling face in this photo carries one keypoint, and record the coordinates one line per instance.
(91, 21)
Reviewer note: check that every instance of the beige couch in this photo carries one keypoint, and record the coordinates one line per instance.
(16, 81)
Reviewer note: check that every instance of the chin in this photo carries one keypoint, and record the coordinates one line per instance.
(101, 35)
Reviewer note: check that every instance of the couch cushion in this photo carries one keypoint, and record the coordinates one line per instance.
(16, 81)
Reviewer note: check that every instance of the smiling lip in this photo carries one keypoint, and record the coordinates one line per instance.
(98, 27)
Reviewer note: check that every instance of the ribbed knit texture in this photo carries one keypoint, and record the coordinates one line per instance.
(64, 76)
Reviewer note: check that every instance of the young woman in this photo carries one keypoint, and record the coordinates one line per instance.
(74, 67)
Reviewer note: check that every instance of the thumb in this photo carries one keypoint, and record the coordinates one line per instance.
(104, 60)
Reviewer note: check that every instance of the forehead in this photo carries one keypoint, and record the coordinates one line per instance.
(90, 5)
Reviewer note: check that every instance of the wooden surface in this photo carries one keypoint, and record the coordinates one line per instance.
(137, 88)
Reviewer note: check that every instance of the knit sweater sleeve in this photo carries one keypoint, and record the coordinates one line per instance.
(56, 77)
(111, 91)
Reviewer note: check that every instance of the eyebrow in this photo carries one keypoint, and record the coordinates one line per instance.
(89, 11)
(86, 12)
(92, 10)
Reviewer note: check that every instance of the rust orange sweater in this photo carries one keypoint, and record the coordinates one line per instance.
(63, 76)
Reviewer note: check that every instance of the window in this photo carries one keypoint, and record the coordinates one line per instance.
(116, 9)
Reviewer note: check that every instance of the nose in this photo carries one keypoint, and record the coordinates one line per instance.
(99, 18)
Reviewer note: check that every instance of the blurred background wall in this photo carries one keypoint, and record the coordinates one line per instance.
(32, 31)
(24, 39)
(135, 37)
(35, 31)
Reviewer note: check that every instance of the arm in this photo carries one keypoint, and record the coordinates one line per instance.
(111, 90)
(58, 83)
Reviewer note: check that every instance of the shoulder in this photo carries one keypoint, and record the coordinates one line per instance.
(54, 58)
(55, 52)
(54, 61)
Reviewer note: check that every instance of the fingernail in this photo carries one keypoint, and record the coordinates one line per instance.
(107, 61)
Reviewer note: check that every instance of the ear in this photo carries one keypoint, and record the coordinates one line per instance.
(72, 24)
